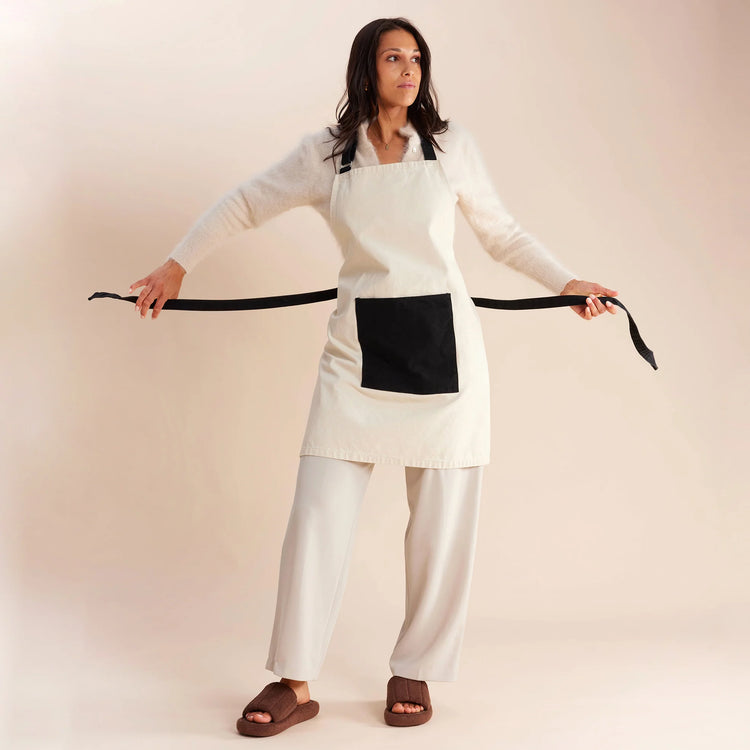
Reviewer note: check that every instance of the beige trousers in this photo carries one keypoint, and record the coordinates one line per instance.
(439, 554)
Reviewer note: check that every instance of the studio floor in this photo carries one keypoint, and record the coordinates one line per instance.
(526, 686)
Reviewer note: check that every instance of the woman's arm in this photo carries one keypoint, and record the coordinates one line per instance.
(288, 183)
(500, 234)
(504, 239)
(293, 181)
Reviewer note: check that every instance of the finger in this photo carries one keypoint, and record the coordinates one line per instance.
(591, 306)
(138, 283)
(152, 299)
(611, 307)
(146, 283)
(602, 291)
(599, 305)
(160, 302)
(148, 298)
(141, 300)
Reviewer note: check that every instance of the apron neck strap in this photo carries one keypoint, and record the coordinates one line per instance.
(347, 156)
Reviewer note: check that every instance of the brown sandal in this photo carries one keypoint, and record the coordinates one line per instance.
(280, 701)
(404, 690)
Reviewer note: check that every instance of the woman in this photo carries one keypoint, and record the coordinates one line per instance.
(403, 376)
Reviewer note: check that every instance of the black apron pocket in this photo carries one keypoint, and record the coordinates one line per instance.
(408, 343)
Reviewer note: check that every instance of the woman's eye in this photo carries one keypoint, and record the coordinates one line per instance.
(395, 57)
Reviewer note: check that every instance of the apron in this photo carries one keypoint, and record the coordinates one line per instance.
(403, 377)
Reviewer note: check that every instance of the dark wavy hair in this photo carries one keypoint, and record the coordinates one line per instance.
(357, 105)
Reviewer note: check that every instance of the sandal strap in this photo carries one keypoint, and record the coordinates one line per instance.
(276, 698)
(404, 690)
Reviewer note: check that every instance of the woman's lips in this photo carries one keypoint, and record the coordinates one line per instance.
(407, 86)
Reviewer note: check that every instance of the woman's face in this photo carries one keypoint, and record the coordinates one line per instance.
(399, 69)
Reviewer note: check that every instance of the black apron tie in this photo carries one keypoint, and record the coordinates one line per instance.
(306, 298)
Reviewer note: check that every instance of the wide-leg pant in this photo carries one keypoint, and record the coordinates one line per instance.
(439, 550)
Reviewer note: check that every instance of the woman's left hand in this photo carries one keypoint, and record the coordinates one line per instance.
(593, 306)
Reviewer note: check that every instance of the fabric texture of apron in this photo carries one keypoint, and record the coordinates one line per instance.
(403, 376)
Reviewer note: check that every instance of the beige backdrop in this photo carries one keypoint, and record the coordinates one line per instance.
(148, 467)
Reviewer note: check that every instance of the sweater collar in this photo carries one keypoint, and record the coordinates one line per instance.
(366, 149)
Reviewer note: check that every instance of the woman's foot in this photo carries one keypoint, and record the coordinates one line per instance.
(407, 708)
(303, 696)
(407, 702)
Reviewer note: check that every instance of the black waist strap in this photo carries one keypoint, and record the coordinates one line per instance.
(255, 303)
(306, 298)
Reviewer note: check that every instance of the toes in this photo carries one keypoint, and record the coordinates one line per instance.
(260, 716)
(407, 708)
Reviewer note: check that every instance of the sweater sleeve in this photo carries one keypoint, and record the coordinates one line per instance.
(290, 182)
(499, 233)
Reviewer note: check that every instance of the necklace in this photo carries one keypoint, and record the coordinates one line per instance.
(383, 142)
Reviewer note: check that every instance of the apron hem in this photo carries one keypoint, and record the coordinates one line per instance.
(420, 463)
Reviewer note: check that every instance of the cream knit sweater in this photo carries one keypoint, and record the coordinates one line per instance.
(302, 178)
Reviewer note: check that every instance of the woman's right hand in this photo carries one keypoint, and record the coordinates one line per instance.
(162, 284)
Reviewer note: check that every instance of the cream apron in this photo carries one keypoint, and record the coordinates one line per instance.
(403, 376)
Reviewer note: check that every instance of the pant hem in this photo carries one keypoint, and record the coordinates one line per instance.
(291, 674)
(425, 675)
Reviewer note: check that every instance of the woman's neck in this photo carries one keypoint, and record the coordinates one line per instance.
(388, 122)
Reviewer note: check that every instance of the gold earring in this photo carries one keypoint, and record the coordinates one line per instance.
(366, 86)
